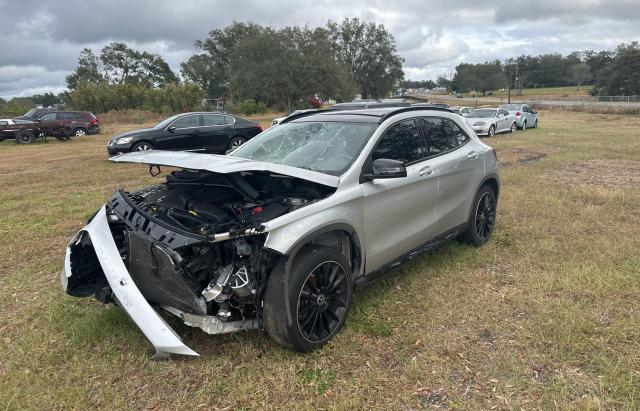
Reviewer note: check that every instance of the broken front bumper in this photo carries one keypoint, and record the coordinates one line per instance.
(125, 292)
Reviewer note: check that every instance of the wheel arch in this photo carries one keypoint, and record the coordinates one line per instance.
(339, 235)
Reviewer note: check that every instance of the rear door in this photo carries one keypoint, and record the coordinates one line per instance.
(460, 168)
(217, 132)
(399, 213)
(183, 134)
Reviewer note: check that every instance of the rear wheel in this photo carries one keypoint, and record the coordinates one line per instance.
(482, 219)
(25, 137)
(142, 146)
(79, 132)
(319, 291)
(236, 142)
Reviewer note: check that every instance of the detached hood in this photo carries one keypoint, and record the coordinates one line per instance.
(221, 164)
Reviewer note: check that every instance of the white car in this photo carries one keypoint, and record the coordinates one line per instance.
(278, 120)
(490, 121)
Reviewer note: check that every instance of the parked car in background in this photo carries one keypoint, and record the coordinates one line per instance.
(277, 120)
(23, 131)
(212, 132)
(525, 116)
(68, 123)
(463, 111)
(277, 235)
(490, 121)
(34, 113)
(364, 104)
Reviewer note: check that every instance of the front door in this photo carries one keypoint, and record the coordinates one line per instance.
(183, 134)
(399, 213)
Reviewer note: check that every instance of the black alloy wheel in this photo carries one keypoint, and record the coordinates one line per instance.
(322, 302)
(485, 217)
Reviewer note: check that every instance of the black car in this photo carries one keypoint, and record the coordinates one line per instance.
(204, 132)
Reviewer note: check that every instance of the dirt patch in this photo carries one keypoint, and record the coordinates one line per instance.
(522, 155)
(607, 173)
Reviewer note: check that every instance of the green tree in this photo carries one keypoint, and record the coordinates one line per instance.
(88, 70)
(580, 74)
(369, 51)
(622, 76)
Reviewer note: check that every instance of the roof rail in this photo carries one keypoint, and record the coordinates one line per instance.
(406, 109)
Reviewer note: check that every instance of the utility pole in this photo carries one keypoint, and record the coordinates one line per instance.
(509, 82)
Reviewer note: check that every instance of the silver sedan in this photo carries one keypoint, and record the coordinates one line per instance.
(490, 121)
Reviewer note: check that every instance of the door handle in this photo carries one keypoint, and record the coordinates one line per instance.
(428, 170)
(472, 155)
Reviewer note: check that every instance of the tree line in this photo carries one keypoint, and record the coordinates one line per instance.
(614, 72)
(243, 63)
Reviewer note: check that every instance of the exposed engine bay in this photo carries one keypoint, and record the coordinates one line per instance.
(194, 244)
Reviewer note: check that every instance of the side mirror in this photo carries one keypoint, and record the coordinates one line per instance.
(172, 129)
(386, 168)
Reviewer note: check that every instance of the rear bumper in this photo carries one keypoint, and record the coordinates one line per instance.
(125, 292)
(94, 130)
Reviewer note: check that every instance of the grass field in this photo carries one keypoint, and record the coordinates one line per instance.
(548, 93)
(544, 316)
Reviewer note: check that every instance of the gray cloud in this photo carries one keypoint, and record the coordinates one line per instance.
(42, 39)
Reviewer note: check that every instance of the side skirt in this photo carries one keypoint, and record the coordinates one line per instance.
(375, 275)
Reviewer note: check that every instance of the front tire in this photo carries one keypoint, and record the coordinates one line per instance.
(319, 291)
(483, 218)
(25, 137)
(142, 146)
(492, 131)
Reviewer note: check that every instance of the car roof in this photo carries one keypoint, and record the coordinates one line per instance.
(368, 115)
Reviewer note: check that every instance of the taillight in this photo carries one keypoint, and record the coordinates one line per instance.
(518, 114)
(260, 129)
(94, 122)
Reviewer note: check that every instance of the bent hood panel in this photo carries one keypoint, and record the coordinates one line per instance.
(221, 164)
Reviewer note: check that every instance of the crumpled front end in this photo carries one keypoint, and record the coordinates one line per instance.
(93, 266)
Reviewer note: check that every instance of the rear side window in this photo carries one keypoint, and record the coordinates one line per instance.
(442, 135)
(400, 142)
(4, 123)
(212, 120)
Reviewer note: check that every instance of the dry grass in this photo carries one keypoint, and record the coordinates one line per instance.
(544, 316)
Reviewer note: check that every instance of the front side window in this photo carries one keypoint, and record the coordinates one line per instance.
(185, 122)
(327, 147)
(400, 142)
(4, 123)
(48, 117)
(443, 135)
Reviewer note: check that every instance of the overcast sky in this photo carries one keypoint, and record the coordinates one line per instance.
(41, 40)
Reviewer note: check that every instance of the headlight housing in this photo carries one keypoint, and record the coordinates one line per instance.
(479, 123)
(123, 140)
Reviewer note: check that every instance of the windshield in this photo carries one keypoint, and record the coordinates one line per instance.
(327, 147)
(166, 122)
(511, 107)
(483, 114)
(31, 112)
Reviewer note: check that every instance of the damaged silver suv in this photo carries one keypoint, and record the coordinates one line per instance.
(278, 234)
